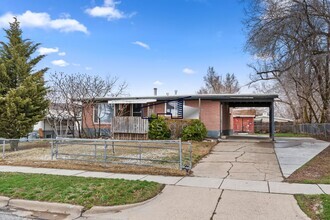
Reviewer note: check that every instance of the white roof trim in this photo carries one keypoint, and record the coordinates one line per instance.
(244, 116)
(131, 101)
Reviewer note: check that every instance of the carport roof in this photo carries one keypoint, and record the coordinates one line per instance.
(225, 98)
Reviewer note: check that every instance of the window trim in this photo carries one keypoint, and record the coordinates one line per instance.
(170, 112)
(132, 109)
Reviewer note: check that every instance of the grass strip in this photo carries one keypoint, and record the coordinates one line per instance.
(290, 135)
(82, 191)
(317, 207)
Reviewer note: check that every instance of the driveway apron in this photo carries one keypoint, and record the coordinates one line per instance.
(244, 159)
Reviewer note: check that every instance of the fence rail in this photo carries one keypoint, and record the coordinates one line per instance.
(163, 153)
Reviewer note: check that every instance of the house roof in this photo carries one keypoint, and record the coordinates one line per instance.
(221, 97)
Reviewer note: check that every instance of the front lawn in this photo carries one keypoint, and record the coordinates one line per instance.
(40, 157)
(82, 191)
(317, 207)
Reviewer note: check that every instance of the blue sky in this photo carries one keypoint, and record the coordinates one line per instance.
(167, 44)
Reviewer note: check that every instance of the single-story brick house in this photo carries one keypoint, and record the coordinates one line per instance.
(212, 109)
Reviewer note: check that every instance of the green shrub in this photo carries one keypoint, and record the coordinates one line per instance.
(158, 129)
(195, 131)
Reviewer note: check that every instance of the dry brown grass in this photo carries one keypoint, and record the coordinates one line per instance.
(30, 158)
(113, 168)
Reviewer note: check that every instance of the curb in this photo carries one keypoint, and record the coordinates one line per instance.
(73, 211)
(104, 209)
(4, 201)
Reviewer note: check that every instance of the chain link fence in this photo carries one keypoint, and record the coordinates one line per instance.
(321, 131)
(156, 153)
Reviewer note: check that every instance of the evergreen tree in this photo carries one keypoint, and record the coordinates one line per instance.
(22, 89)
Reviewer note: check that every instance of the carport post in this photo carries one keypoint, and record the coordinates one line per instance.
(271, 121)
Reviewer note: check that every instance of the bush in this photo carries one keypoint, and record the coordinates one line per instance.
(158, 129)
(195, 131)
(176, 126)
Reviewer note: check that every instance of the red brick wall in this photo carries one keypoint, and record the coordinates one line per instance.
(159, 108)
(210, 114)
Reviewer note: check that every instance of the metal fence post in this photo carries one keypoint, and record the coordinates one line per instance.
(113, 148)
(95, 151)
(3, 149)
(180, 154)
(190, 155)
(105, 152)
(56, 145)
(140, 153)
(52, 149)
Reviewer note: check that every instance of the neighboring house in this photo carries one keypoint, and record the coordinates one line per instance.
(57, 123)
(243, 120)
(264, 118)
(212, 109)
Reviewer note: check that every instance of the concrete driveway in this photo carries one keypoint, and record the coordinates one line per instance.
(245, 159)
(292, 153)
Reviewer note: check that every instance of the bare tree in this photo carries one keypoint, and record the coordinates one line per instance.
(291, 41)
(73, 92)
(215, 84)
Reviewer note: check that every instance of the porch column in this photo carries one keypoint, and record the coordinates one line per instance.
(271, 121)
(221, 120)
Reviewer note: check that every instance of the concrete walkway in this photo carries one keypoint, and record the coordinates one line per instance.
(202, 182)
(292, 153)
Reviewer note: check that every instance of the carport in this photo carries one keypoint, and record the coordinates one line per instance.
(255, 100)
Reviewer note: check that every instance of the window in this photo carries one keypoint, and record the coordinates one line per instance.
(103, 113)
(137, 110)
(172, 107)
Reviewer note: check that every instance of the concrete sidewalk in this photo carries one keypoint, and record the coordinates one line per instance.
(201, 182)
(192, 203)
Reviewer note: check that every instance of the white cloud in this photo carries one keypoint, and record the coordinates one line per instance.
(188, 71)
(88, 68)
(75, 64)
(45, 50)
(60, 63)
(141, 44)
(108, 10)
(61, 53)
(158, 83)
(43, 20)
